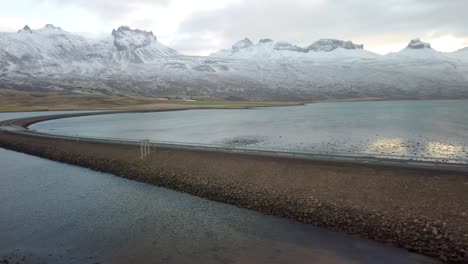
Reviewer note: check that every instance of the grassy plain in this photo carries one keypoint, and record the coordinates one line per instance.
(17, 101)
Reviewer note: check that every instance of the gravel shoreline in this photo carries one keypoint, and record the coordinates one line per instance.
(424, 211)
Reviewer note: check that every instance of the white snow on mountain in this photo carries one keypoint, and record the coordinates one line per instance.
(332, 44)
(134, 62)
(418, 44)
(245, 43)
(283, 45)
(459, 55)
(49, 46)
(331, 49)
(419, 50)
(137, 46)
(267, 49)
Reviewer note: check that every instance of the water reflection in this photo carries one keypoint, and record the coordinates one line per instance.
(437, 149)
(393, 146)
(404, 128)
(121, 221)
(425, 150)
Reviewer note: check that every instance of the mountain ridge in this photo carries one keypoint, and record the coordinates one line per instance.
(133, 62)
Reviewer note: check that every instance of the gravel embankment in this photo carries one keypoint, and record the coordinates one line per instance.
(424, 211)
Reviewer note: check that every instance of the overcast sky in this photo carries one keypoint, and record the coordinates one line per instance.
(200, 27)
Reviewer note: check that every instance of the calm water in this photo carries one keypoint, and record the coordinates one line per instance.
(413, 129)
(56, 213)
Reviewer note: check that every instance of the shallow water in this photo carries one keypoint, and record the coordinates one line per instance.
(431, 130)
(56, 213)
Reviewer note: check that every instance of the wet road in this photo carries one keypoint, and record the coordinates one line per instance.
(56, 213)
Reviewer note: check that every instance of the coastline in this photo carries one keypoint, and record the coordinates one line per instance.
(113, 103)
(17, 101)
(418, 209)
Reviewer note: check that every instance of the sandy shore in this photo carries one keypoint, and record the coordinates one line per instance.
(424, 211)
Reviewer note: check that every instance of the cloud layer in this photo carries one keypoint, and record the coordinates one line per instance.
(203, 26)
(302, 21)
(111, 9)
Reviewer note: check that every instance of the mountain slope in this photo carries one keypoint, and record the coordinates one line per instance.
(267, 49)
(137, 46)
(49, 46)
(460, 55)
(134, 62)
(52, 46)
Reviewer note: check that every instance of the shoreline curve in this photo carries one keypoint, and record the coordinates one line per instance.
(364, 199)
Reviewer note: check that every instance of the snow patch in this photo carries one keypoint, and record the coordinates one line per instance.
(245, 43)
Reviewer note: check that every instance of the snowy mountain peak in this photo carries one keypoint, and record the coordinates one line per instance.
(283, 45)
(263, 41)
(138, 46)
(126, 38)
(267, 49)
(128, 30)
(134, 62)
(50, 29)
(332, 44)
(245, 43)
(418, 44)
(25, 29)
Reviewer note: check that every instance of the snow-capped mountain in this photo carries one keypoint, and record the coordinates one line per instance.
(133, 62)
(137, 46)
(333, 44)
(418, 49)
(51, 46)
(265, 49)
(460, 55)
(269, 49)
(418, 44)
(48, 46)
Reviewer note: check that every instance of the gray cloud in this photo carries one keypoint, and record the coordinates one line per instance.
(196, 44)
(110, 9)
(301, 22)
(297, 21)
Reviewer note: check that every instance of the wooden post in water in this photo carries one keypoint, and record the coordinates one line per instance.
(144, 148)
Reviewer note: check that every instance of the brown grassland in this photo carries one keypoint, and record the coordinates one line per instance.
(16, 101)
